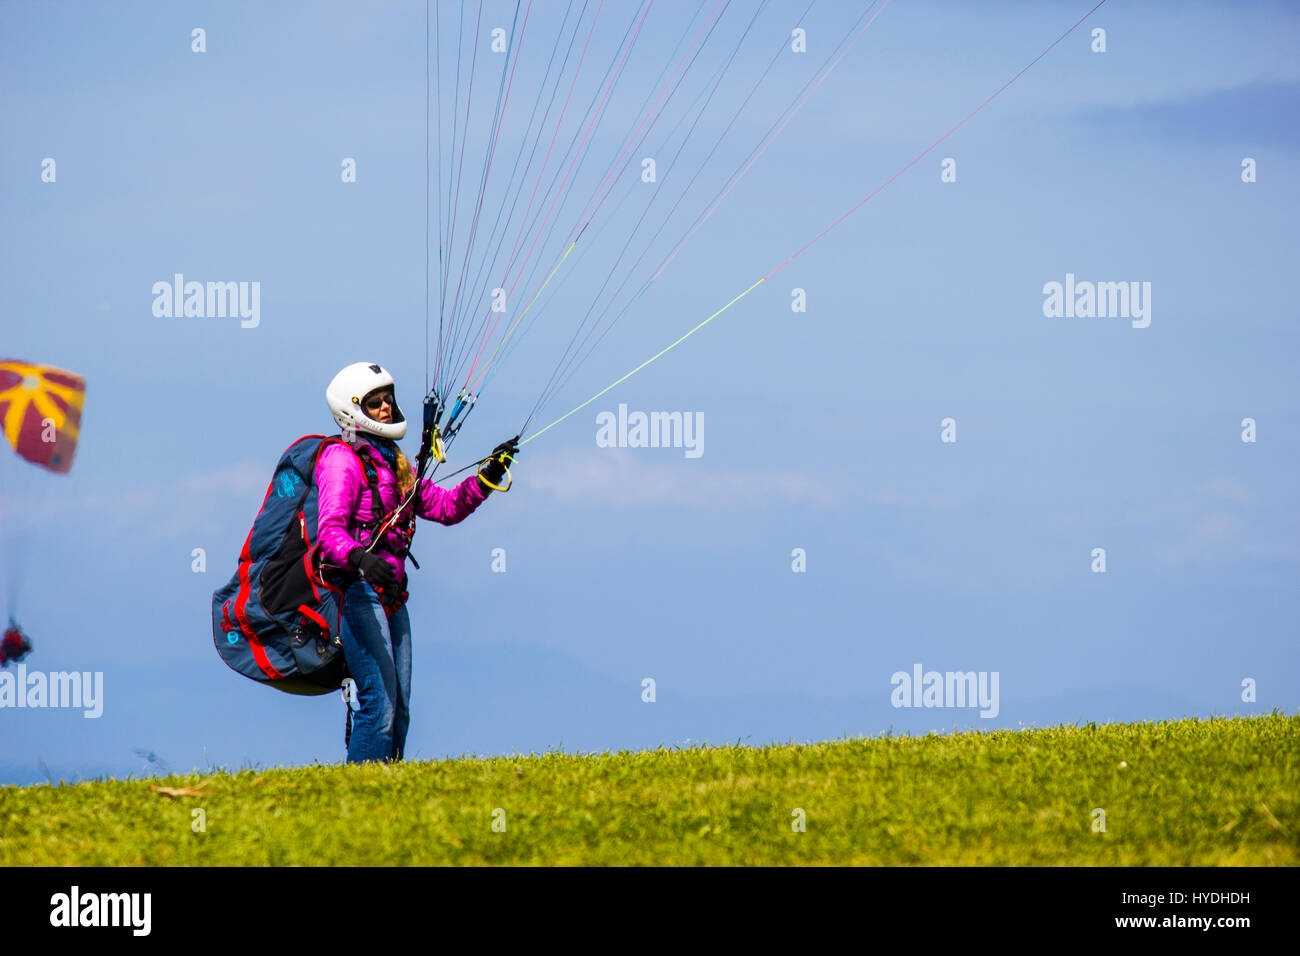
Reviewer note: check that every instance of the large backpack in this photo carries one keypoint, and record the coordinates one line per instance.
(278, 619)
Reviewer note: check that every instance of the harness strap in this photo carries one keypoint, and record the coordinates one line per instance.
(372, 481)
(380, 515)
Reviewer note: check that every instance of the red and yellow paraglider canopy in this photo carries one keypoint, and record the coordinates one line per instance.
(40, 409)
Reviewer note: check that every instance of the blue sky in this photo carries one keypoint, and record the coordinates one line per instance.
(822, 428)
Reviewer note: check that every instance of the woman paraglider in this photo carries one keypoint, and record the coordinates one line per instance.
(376, 631)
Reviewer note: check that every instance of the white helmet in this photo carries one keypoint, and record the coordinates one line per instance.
(350, 388)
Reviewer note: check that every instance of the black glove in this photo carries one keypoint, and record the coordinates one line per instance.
(373, 568)
(494, 470)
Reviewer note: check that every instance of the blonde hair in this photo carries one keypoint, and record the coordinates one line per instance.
(405, 474)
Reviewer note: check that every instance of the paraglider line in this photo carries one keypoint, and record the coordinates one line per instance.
(821, 234)
(646, 362)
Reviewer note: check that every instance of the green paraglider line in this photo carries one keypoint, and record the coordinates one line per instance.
(559, 388)
(652, 358)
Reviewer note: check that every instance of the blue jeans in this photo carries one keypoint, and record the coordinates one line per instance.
(378, 651)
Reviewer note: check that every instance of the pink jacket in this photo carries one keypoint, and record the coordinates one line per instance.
(344, 503)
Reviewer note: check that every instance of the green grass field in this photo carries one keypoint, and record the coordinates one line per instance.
(1214, 792)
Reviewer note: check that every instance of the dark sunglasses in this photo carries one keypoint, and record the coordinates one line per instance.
(377, 401)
